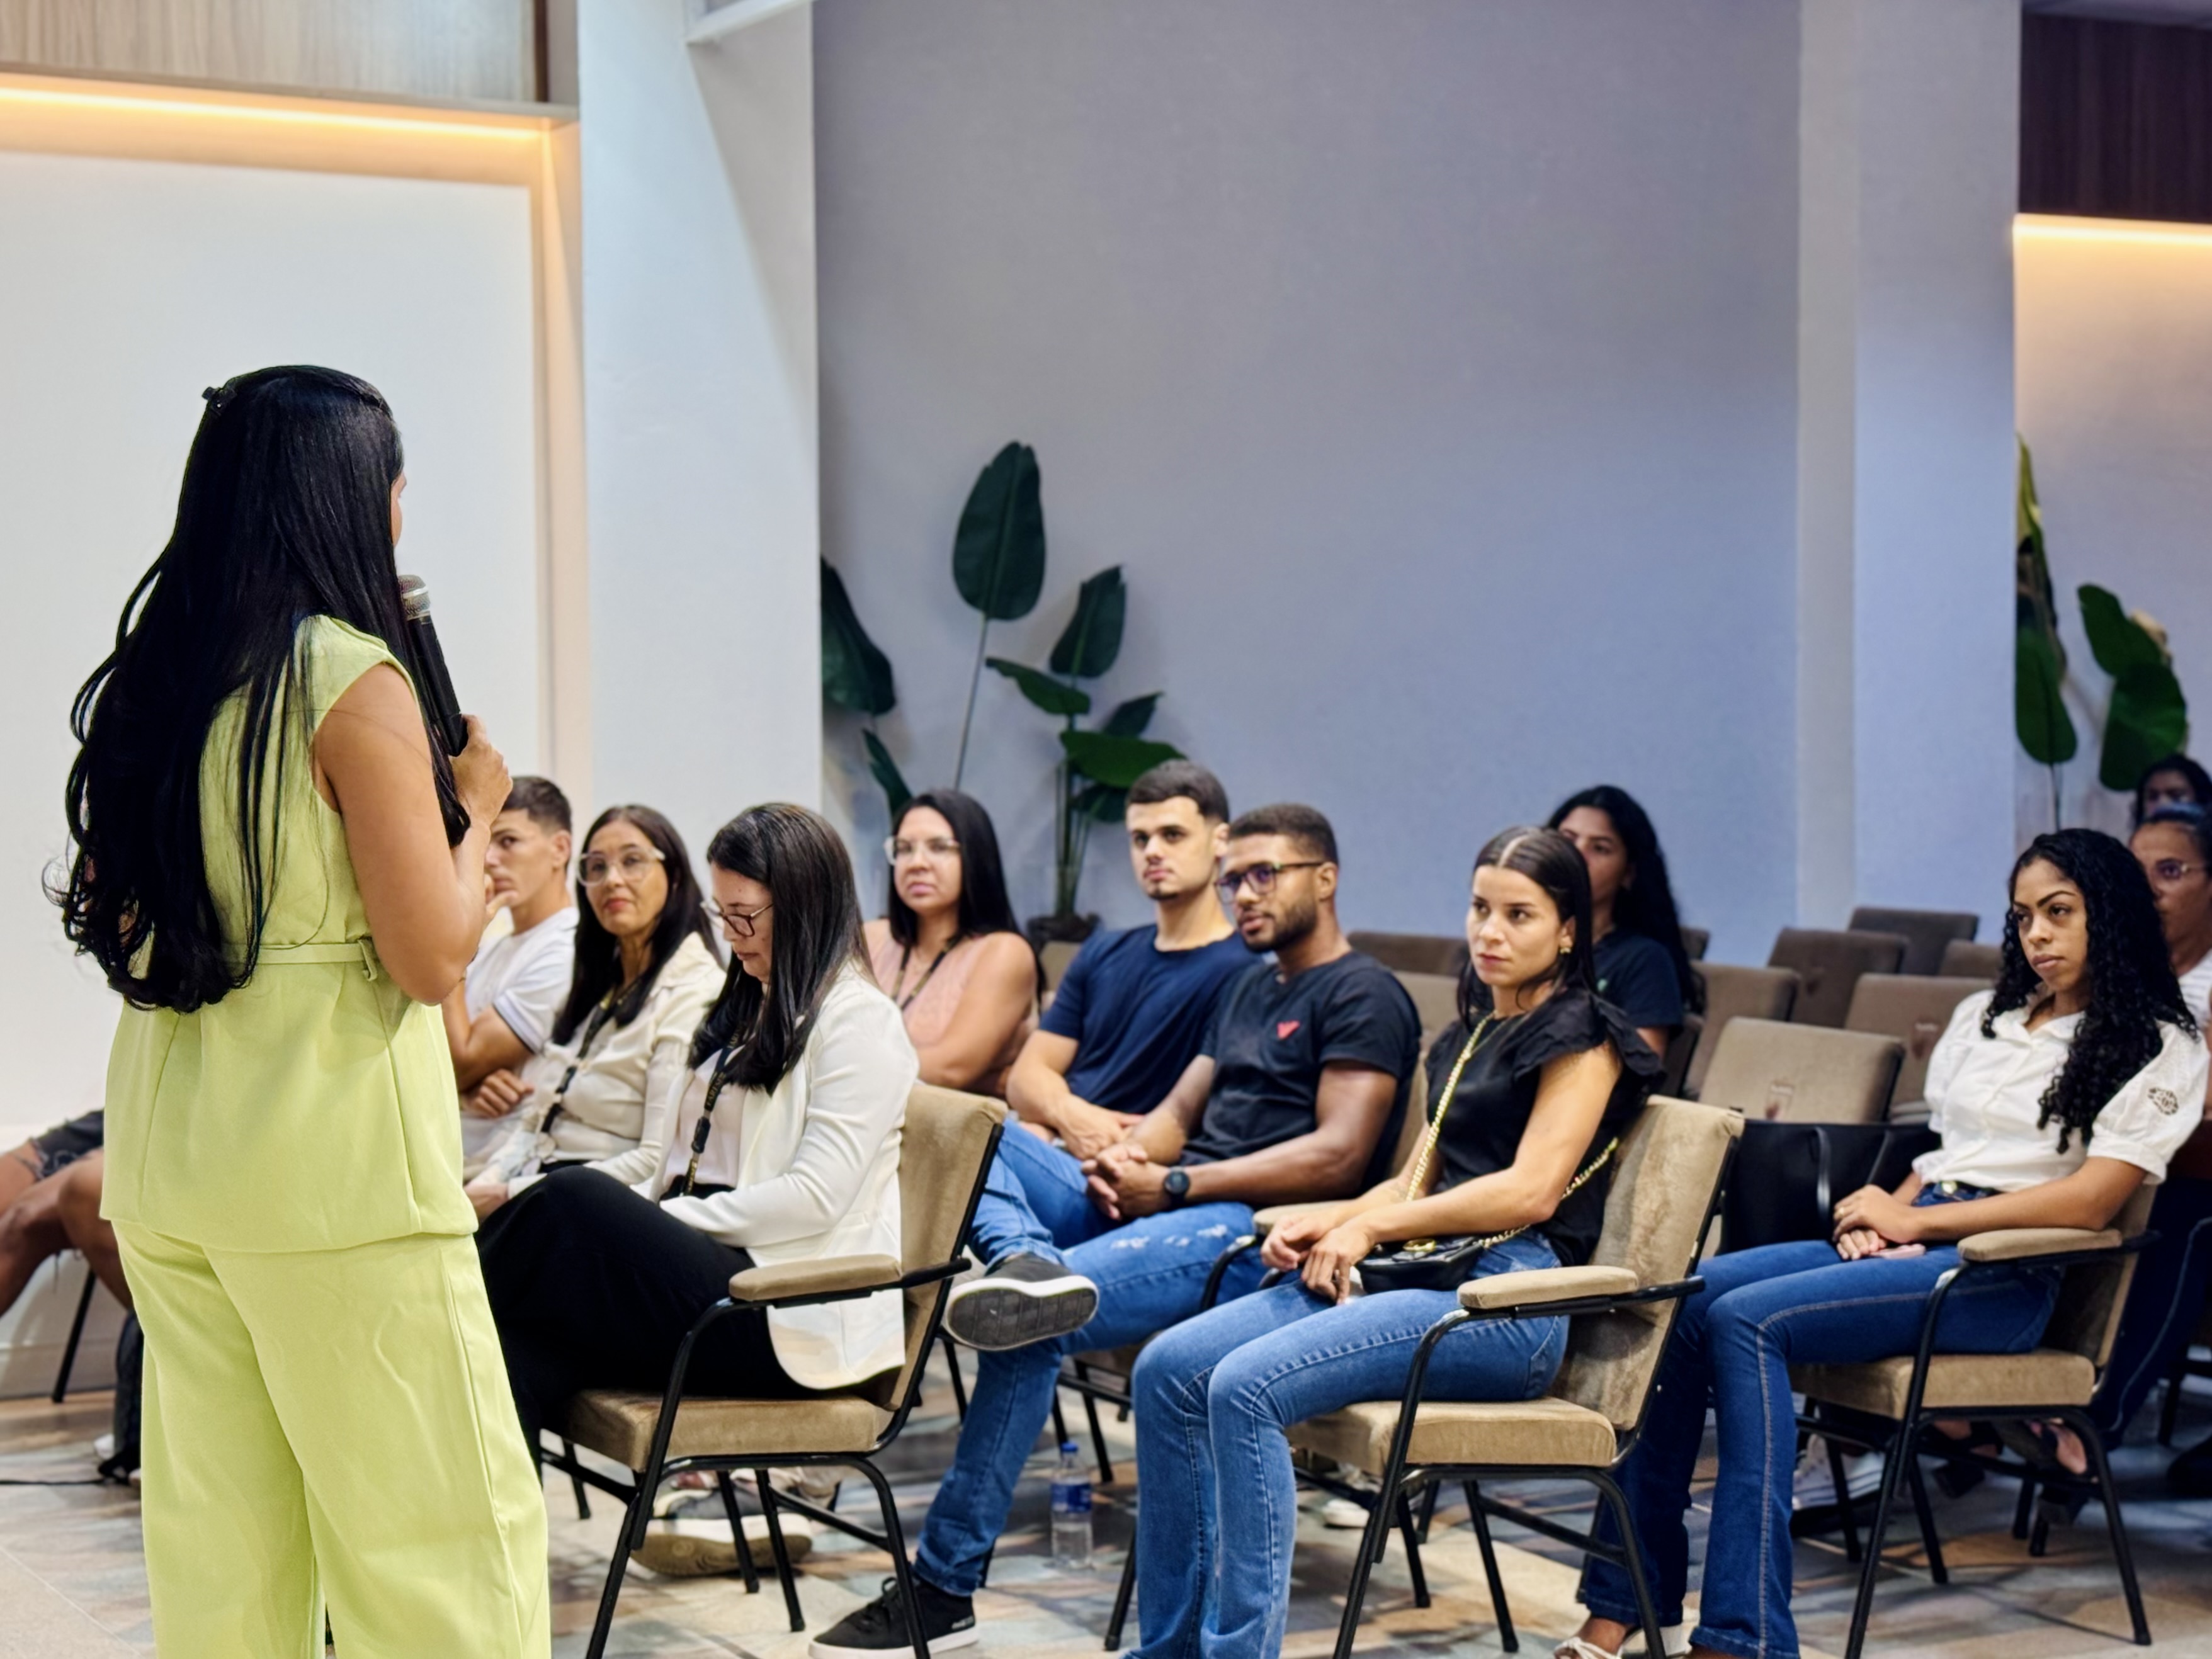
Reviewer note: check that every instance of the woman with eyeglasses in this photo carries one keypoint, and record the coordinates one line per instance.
(604, 1089)
(947, 951)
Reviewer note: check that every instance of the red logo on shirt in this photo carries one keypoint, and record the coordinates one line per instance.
(1285, 1027)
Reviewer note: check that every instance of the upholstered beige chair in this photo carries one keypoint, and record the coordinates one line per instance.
(1828, 963)
(1925, 932)
(1802, 1073)
(2055, 1379)
(1914, 1008)
(1671, 1166)
(1413, 953)
(944, 1155)
(1055, 957)
(1694, 941)
(1736, 992)
(1436, 999)
(1964, 959)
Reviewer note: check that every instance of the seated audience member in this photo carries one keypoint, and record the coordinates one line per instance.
(1532, 1090)
(786, 1149)
(2174, 846)
(1642, 968)
(1296, 1093)
(50, 1202)
(1130, 1011)
(2177, 780)
(604, 1089)
(948, 952)
(2056, 1094)
(503, 1013)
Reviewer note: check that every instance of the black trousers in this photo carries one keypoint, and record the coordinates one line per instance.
(594, 1287)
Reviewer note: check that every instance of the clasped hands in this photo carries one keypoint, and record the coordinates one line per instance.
(1323, 1249)
(1872, 1220)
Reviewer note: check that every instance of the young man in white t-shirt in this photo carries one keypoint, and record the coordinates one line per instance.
(505, 1009)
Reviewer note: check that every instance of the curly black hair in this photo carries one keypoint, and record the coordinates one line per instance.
(2132, 991)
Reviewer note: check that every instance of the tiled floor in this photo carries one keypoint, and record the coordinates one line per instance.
(72, 1583)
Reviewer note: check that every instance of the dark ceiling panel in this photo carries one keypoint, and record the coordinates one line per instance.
(2116, 120)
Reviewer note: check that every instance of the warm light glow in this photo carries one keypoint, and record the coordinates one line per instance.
(2111, 230)
(167, 107)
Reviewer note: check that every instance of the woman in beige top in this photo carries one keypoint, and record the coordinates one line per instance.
(948, 953)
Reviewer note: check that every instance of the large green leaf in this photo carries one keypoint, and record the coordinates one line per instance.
(1102, 803)
(887, 773)
(2119, 642)
(1115, 761)
(1045, 692)
(2149, 719)
(2036, 603)
(2047, 731)
(1130, 719)
(1092, 638)
(855, 675)
(998, 553)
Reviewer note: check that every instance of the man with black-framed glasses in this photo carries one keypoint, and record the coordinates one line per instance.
(1296, 1093)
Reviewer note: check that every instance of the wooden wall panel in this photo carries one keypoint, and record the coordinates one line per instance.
(445, 49)
(2116, 120)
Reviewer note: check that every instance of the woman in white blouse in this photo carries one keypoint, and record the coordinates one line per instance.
(602, 1093)
(2056, 1094)
(786, 1148)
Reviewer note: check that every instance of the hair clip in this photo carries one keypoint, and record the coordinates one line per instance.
(216, 396)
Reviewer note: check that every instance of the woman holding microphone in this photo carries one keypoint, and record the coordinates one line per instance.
(281, 873)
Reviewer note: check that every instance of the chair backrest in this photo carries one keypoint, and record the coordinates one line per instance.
(1413, 953)
(1436, 999)
(1802, 1074)
(1733, 992)
(1914, 1008)
(2093, 1296)
(1055, 956)
(1668, 1175)
(1925, 932)
(1829, 962)
(1417, 1119)
(1964, 959)
(1694, 941)
(1681, 1049)
(944, 1155)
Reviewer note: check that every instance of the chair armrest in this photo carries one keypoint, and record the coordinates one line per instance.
(2019, 1244)
(1540, 1285)
(1264, 1221)
(829, 1275)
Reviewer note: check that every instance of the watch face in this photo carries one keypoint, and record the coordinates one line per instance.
(1176, 1182)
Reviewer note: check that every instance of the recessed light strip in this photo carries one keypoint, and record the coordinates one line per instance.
(167, 106)
(2112, 230)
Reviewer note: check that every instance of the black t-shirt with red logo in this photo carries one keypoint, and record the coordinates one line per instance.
(1270, 1037)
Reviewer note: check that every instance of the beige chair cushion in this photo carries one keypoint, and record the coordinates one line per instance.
(1732, 993)
(619, 1424)
(1925, 932)
(2042, 1377)
(1828, 963)
(1540, 1285)
(2010, 1243)
(1793, 1073)
(1964, 959)
(834, 1272)
(1530, 1431)
(1914, 1009)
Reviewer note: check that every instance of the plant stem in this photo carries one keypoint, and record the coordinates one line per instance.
(2057, 814)
(967, 720)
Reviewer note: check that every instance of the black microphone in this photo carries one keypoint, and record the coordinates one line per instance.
(437, 686)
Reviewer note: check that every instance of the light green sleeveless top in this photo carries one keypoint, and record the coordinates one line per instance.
(313, 1108)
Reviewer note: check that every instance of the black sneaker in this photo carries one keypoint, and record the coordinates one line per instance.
(1022, 1300)
(947, 1621)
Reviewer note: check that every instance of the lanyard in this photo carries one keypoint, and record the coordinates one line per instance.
(592, 1026)
(906, 951)
(725, 1064)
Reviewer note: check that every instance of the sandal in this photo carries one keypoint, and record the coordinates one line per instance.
(2038, 1444)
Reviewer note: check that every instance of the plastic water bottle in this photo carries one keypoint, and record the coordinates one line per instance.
(1071, 1512)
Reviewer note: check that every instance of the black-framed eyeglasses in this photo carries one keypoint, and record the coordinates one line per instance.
(740, 922)
(1260, 878)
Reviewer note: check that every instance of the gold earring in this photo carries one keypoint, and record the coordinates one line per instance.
(1568, 948)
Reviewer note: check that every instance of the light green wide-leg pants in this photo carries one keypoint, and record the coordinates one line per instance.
(332, 1427)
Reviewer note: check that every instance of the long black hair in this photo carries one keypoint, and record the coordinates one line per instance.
(1645, 903)
(2194, 822)
(2132, 991)
(285, 513)
(2200, 781)
(1554, 864)
(802, 862)
(598, 953)
(984, 906)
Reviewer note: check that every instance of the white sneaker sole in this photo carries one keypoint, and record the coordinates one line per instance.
(698, 1554)
(819, 1649)
(997, 1314)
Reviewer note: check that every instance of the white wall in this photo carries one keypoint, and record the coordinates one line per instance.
(128, 286)
(2115, 335)
(700, 412)
(1430, 369)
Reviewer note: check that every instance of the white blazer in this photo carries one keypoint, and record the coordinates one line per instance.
(812, 1169)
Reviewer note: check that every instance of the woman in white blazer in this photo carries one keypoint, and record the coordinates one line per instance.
(785, 1148)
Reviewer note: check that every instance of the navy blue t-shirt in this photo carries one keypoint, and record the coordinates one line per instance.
(1636, 975)
(1136, 1014)
(1270, 1038)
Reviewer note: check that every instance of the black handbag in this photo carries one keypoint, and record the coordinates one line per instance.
(1787, 1177)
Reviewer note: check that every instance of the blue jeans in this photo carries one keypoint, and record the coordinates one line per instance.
(1762, 1311)
(1214, 1398)
(1150, 1273)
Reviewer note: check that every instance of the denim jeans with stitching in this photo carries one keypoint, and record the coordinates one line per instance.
(1150, 1273)
(1763, 1311)
(1218, 1511)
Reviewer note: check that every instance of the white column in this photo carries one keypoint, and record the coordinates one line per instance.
(1909, 141)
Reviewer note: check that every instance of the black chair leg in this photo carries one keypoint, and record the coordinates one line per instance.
(2109, 1497)
(1850, 1521)
(1929, 1540)
(1426, 1518)
(2170, 1407)
(76, 1336)
(779, 1549)
(1362, 1566)
(1609, 1492)
(583, 1500)
(1413, 1551)
(737, 1532)
(634, 1519)
(1119, 1619)
(1058, 1420)
(1506, 1638)
(959, 1387)
(1892, 1468)
(896, 1540)
(2024, 1507)
(1098, 1442)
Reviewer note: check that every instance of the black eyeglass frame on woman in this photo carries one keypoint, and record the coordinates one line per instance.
(740, 922)
(1229, 882)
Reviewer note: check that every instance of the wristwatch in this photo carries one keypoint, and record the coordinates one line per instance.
(1176, 1183)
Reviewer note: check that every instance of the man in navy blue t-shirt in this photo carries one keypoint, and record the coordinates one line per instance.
(1293, 1090)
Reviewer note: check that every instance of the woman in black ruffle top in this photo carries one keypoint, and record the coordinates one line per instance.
(1537, 1081)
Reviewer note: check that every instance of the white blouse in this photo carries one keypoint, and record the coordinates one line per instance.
(1984, 1094)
